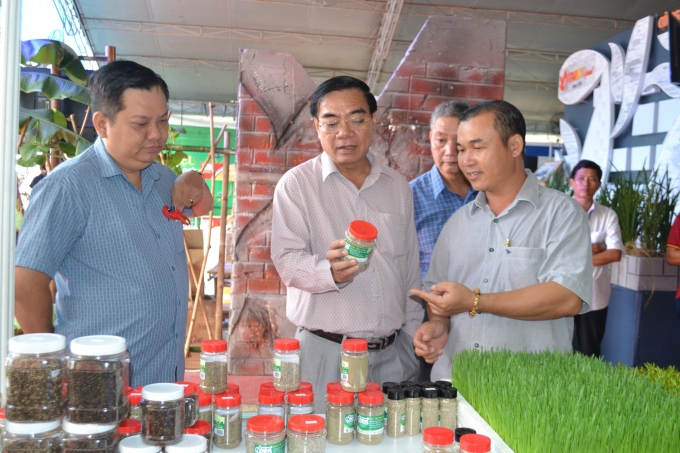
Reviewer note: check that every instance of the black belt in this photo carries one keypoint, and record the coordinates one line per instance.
(374, 344)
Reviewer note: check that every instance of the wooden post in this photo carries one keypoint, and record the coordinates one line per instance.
(110, 52)
(223, 249)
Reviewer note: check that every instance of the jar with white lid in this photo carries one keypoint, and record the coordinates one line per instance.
(44, 437)
(437, 440)
(286, 364)
(190, 443)
(135, 444)
(213, 366)
(227, 421)
(98, 380)
(354, 365)
(201, 428)
(130, 427)
(162, 414)
(190, 403)
(340, 415)
(205, 407)
(135, 399)
(36, 374)
(360, 241)
(81, 438)
(307, 433)
(270, 403)
(300, 403)
(265, 433)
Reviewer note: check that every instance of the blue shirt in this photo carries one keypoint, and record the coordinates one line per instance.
(119, 264)
(433, 204)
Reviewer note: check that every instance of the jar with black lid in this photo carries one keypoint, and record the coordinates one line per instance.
(458, 433)
(448, 407)
(386, 386)
(430, 407)
(396, 412)
(412, 396)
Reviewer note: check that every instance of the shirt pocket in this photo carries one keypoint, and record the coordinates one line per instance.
(391, 234)
(520, 266)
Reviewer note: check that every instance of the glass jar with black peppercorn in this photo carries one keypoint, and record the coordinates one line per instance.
(189, 443)
(190, 403)
(162, 414)
(134, 444)
(43, 437)
(89, 438)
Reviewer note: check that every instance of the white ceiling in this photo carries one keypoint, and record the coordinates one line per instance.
(194, 44)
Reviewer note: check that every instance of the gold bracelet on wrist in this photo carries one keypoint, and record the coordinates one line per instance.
(475, 305)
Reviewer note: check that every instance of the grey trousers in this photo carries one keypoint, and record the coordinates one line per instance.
(320, 363)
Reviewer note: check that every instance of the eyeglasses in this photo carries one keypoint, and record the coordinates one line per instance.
(589, 180)
(334, 126)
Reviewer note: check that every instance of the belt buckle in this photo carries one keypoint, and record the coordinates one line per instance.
(376, 345)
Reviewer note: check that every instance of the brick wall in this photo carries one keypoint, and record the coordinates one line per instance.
(451, 58)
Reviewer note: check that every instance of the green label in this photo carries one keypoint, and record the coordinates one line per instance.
(277, 368)
(202, 368)
(371, 424)
(218, 424)
(385, 416)
(344, 370)
(402, 428)
(358, 253)
(348, 426)
(278, 447)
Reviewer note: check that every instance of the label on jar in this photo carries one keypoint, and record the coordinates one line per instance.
(201, 365)
(344, 371)
(218, 425)
(348, 425)
(277, 368)
(370, 424)
(278, 447)
(358, 253)
(402, 426)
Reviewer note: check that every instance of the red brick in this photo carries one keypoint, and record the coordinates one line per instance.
(487, 92)
(269, 158)
(306, 145)
(496, 76)
(241, 220)
(433, 101)
(262, 124)
(245, 122)
(411, 69)
(470, 74)
(263, 286)
(270, 271)
(425, 86)
(284, 289)
(243, 189)
(259, 254)
(398, 116)
(248, 270)
(457, 90)
(294, 158)
(398, 84)
(407, 101)
(238, 285)
(257, 239)
(244, 156)
(251, 204)
(255, 140)
(248, 367)
(419, 117)
(442, 71)
(265, 190)
(249, 107)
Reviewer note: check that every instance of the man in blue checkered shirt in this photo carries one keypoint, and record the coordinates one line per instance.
(443, 190)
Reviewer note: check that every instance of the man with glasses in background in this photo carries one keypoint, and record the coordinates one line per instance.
(328, 297)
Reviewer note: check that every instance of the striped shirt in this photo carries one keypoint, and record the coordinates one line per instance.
(119, 264)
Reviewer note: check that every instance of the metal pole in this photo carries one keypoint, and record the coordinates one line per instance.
(10, 45)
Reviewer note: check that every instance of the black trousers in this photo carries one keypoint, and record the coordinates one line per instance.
(589, 331)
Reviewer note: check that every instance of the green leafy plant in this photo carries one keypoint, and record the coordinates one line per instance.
(559, 181)
(668, 378)
(173, 158)
(51, 52)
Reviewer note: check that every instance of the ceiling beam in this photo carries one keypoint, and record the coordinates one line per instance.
(382, 47)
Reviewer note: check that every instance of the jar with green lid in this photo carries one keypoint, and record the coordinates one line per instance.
(89, 438)
(162, 413)
(134, 444)
(412, 395)
(130, 427)
(448, 405)
(306, 434)
(475, 443)
(437, 440)
(360, 241)
(354, 365)
(340, 417)
(227, 421)
(286, 364)
(205, 407)
(36, 374)
(213, 366)
(370, 413)
(265, 433)
(201, 428)
(190, 443)
(396, 412)
(457, 434)
(136, 403)
(190, 402)
(43, 437)
(430, 407)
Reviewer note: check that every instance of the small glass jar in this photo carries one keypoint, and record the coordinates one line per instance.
(448, 405)
(136, 403)
(370, 413)
(340, 416)
(190, 403)
(413, 409)
(306, 433)
(190, 443)
(385, 387)
(457, 434)
(286, 364)
(265, 431)
(36, 374)
(437, 440)
(360, 241)
(270, 402)
(98, 380)
(227, 421)
(213, 364)
(430, 408)
(80, 438)
(205, 407)
(396, 412)
(135, 444)
(130, 427)
(354, 365)
(300, 403)
(162, 414)
(200, 428)
(475, 443)
(44, 437)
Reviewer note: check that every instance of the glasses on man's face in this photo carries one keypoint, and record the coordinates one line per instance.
(589, 180)
(334, 126)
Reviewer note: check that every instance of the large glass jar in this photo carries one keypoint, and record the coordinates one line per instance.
(396, 412)
(227, 421)
(430, 407)
(340, 417)
(201, 428)
(36, 374)
(437, 440)
(190, 443)
(270, 403)
(300, 403)
(448, 407)
(213, 363)
(306, 434)
(135, 444)
(265, 433)
(44, 437)
(412, 395)
(286, 364)
(354, 365)
(205, 407)
(136, 403)
(130, 427)
(98, 380)
(475, 443)
(162, 414)
(360, 241)
(90, 438)
(370, 413)
(190, 403)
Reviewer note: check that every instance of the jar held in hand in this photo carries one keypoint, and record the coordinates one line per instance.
(360, 241)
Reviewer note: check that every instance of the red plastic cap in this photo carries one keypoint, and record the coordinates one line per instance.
(286, 344)
(270, 397)
(267, 386)
(228, 400)
(371, 397)
(306, 423)
(201, 427)
(436, 435)
(2, 413)
(213, 345)
(363, 230)
(301, 398)
(204, 399)
(130, 426)
(333, 387)
(306, 387)
(265, 424)
(373, 386)
(136, 396)
(189, 387)
(355, 345)
(232, 388)
(475, 443)
(340, 397)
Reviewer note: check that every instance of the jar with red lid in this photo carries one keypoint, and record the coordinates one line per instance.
(227, 421)
(205, 407)
(213, 365)
(130, 427)
(475, 443)
(307, 433)
(360, 241)
(265, 433)
(340, 417)
(270, 402)
(437, 440)
(190, 402)
(306, 387)
(300, 403)
(200, 428)
(286, 364)
(354, 365)
(370, 414)
(136, 403)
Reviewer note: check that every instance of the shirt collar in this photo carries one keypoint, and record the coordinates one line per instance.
(528, 192)
(328, 167)
(109, 167)
(437, 182)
